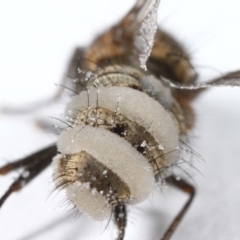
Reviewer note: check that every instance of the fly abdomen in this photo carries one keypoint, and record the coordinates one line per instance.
(120, 130)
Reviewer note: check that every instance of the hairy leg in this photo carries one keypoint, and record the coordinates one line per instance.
(32, 165)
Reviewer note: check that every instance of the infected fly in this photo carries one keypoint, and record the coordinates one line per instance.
(113, 62)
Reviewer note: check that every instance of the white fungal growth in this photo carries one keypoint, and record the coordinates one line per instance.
(88, 75)
(143, 144)
(137, 106)
(161, 147)
(115, 153)
(91, 202)
(79, 70)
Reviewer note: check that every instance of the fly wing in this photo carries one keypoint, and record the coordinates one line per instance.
(137, 41)
(133, 35)
(144, 29)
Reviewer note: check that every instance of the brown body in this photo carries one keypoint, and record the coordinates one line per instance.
(168, 59)
(112, 53)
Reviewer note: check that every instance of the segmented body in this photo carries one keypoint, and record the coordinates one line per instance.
(112, 62)
(125, 123)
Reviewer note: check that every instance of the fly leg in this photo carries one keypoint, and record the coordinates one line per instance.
(120, 219)
(32, 166)
(187, 188)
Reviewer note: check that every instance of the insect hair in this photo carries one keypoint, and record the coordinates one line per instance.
(185, 234)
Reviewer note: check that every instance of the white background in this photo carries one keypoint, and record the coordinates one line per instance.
(37, 39)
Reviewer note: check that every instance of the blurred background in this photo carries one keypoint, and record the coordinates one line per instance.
(37, 40)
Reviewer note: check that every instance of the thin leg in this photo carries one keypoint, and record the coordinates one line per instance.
(33, 165)
(186, 187)
(120, 218)
(27, 161)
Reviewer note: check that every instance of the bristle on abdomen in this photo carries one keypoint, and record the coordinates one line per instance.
(121, 141)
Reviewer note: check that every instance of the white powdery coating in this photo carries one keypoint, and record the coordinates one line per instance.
(144, 40)
(138, 107)
(115, 153)
(89, 202)
(92, 204)
(156, 88)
